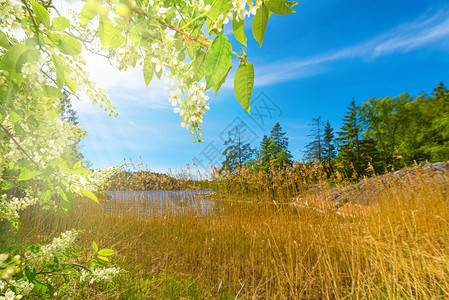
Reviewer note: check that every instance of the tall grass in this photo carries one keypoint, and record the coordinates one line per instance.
(251, 242)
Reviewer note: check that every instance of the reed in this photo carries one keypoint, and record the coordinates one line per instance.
(252, 242)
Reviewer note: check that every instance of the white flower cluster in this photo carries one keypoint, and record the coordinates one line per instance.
(10, 208)
(22, 288)
(7, 271)
(84, 86)
(57, 247)
(51, 138)
(240, 10)
(30, 68)
(11, 12)
(92, 181)
(192, 111)
(190, 101)
(199, 5)
(10, 295)
(99, 275)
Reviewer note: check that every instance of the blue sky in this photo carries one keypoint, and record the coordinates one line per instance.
(312, 63)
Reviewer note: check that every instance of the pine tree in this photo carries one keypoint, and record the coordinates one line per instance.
(329, 153)
(68, 113)
(314, 149)
(279, 139)
(237, 153)
(274, 149)
(350, 143)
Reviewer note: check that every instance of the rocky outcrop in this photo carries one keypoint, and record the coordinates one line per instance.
(367, 191)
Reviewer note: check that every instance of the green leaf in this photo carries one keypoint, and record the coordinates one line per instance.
(59, 69)
(218, 61)
(60, 23)
(71, 83)
(110, 35)
(6, 185)
(4, 40)
(260, 23)
(30, 272)
(103, 258)
(243, 84)
(86, 15)
(35, 248)
(148, 70)
(41, 15)
(193, 49)
(218, 86)
(219, 7)
(94, 246)
(90, 195)
(82, 267)
(66, 44)
(27, 56)
(11, 57)
(31, 42)
(58, 162)
(239, 30)
(280, 7)
(52, 92)
(66, 198)
(51, 288)
(26, 174)
(106, 252)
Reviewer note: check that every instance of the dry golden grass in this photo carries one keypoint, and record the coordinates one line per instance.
(260, 247)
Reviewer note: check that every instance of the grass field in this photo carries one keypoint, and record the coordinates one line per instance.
(253, 244)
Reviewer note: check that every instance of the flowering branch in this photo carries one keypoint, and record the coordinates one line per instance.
(18, 145)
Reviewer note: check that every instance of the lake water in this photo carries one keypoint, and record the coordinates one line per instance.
(158, 202)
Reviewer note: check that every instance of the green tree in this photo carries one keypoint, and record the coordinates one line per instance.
(350, 143)
(266, 152)
(329, 152)
(314, 149)
(274, 149)
(404, 130)
(436, 110)
(382, 122)
(238, 152)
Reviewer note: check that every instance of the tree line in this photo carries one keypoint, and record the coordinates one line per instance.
(380, 135)
(384, 134)
(272, 152)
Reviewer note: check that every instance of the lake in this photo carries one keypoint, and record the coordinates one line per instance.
(158, 202)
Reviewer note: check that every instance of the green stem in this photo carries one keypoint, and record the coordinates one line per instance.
(193, 20)
(239, 56)
(196, 18)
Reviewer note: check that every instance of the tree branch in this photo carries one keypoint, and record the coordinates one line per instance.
(18, 145)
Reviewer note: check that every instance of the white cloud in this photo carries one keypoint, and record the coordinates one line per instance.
(414, 35)
(122, 87)
(425, 31)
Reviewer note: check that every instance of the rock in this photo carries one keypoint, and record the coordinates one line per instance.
(367, 190)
